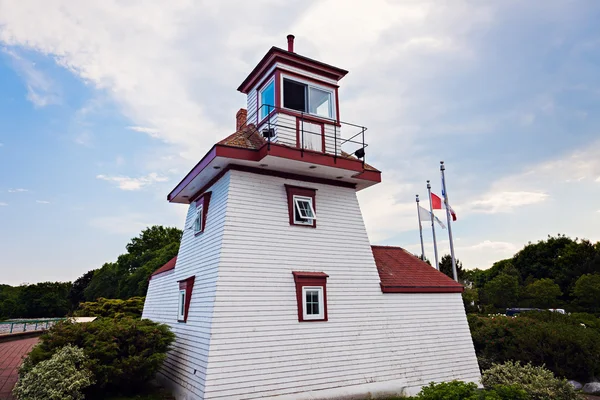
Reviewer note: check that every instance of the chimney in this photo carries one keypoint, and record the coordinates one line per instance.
(290, 39)
(240, 119)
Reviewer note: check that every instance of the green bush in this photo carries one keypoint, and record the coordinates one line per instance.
(551, 339)
(124, 353)
(113, 308)
(457, 390)
(538, 382)
(62, 377)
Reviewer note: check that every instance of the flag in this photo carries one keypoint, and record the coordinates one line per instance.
(425, 215)
(436, 202)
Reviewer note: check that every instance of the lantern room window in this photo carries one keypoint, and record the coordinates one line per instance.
(307, 98)
(267, 99)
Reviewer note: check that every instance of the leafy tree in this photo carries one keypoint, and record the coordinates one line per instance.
(45, 299)
(470, 298)
(587, 291)
(543, 293)
(76, 295)
(446, 267)
(502, 291)
(104, 283)
(112, 308)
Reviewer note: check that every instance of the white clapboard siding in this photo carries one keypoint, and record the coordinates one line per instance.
(258, 349)
(185, 369)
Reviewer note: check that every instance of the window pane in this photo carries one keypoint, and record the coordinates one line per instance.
(319, 102)
(315, 308)
(294, 95)
(182, 301)
(267, 99)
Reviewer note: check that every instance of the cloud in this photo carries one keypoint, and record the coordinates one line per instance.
(128, 183)
(42, 202)
(3, 204)
(18, 190)
(41, 90)
(152, 132)
(84, 138)
(502, 202)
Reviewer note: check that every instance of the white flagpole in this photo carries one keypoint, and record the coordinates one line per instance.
(449, 218)
(420, 230)
(437, 264)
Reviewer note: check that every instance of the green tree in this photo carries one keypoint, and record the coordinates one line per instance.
(542, 293)
(76, 295)
(45, 299)
(587, 291)
(446, 267)
(470, 298)
(104, 283)
(502, 291)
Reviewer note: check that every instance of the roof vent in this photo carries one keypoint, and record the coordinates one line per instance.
(290, 39)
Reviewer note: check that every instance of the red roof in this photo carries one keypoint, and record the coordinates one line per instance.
(167, 267)
(402, 272)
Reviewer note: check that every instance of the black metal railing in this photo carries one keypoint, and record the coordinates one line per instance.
(290, 127)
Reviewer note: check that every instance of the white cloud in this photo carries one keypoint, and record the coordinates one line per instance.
(128, 183)
(18, 190)
(3, 204)
(152, 132)
(42, 202)
(84, 138)
(41, 90)
(501, 202)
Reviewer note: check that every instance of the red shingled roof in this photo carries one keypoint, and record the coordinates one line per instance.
(167, 267)
(402, 272)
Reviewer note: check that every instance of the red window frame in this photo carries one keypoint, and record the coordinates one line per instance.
(187, 285)
(304, 278)
(203, 201)
(300, 191)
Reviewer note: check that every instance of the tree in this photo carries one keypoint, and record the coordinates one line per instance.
(543, 293)
(587, 291)
(45, 299)
(76, 295)
(104, 283)
(470, 298)
(502, 291)
(446, 267)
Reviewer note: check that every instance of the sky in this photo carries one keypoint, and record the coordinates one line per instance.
(106, 105)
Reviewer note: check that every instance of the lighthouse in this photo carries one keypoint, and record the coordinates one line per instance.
(276, 291)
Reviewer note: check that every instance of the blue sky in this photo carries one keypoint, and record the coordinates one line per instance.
(105, 106)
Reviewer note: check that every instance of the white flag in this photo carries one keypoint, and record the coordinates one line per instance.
(425, 215)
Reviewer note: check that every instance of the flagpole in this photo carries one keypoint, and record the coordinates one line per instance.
(437, 264)
(449, 218)
(420, 230)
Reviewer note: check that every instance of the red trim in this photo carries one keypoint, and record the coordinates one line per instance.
(203, 201)
(308, 117)
(299, 142)
(275, 55)
(289, 175)
(337, 107)
(301, 279)
(300, 191)
(424, 289)
(278, 89)
(277, 150)
(188, 286)
(323, 138)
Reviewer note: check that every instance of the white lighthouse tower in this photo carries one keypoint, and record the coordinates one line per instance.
(276, 291)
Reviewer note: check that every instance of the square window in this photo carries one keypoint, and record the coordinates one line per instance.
(304, 212)
(294, 95)
(319, 102)
(307, 98)
(267, 99)
(312, 303)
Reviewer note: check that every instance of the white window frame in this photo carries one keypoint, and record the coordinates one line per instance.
(321, 314)
(260, 102)
(198, 219)
(307, 96)
(181, 305)
(305, 220)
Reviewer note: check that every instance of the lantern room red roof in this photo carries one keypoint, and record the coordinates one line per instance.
(402, 272)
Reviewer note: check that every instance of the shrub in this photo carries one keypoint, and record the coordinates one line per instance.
(457, 390)
(538, 382)
(551, 339)
(113, 308)
(62, 377)
(124, 353)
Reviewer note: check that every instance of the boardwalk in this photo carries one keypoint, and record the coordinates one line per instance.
(11, 354)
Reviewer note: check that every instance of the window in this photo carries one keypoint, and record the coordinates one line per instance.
(301, 206)
(181, 306)
(303, 210)
(306, 98)
(184, 298)
(201, 213)
(312, 302)
(198, 220)
(311, 295)
(267, 99)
